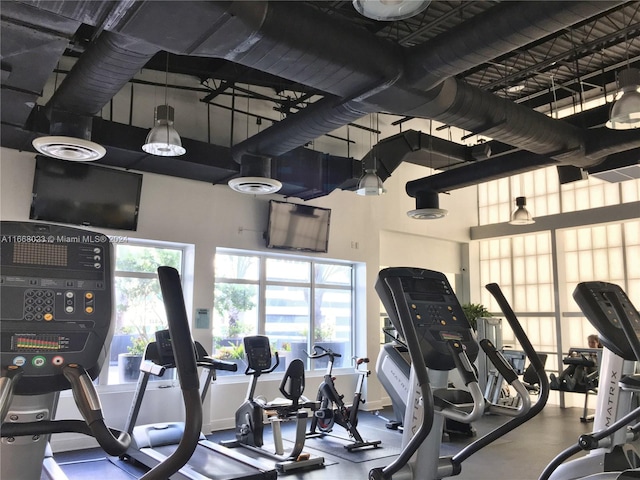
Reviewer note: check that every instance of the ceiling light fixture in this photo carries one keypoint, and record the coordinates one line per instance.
(390, 10)
(515, 88)
(163, 139)
(521, 215)
(370, 184)
(625, 113)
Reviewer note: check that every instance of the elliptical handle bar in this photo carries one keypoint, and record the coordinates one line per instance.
(88, 402)
(187, 368)
(520, 334)
(505, 428)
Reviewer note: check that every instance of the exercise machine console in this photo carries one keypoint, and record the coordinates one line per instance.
(56, 311)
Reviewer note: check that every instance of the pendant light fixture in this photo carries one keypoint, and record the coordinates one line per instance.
(163, 139)
(625, 113)
(390, 10)
(370, 183)
(521, 216)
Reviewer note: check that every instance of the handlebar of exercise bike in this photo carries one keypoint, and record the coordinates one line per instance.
(326, 352)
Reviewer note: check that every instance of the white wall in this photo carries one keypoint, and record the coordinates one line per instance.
(209, 216)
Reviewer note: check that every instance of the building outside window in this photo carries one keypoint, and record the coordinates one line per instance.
(297, 302)
(139, 310)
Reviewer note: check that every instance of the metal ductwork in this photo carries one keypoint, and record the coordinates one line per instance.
(100, 73)
(358, 71)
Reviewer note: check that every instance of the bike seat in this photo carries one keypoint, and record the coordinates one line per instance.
(361, 360)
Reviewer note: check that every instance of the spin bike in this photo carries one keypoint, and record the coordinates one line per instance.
(332, 407)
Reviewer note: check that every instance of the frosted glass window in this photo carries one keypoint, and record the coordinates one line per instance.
(581, 261)
(541, 332)
(589, 193)
(630, 191)
(521, 263)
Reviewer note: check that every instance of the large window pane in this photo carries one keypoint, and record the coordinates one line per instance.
(326, 274)
(235, 315)
(139, 309)
(287, 320)
(144, 259)
(242, 267)
(288, 270)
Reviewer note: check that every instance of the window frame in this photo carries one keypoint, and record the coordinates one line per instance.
(263, 283)
(103, 379)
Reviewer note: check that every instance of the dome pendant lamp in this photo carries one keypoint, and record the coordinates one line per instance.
(521, 215)
(625, 113)
(163, 139)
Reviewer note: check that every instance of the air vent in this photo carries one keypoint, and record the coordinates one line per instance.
(69, 148)
(621, 174)
(255, 185)
(428, 213)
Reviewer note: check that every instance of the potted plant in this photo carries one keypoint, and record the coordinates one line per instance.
(129, 363)
(473, 311)
(231, 353)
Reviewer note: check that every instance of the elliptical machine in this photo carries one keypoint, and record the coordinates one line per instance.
(249, 417)
(332, 407)
(613, 445)
(423, 308)
(68, 348)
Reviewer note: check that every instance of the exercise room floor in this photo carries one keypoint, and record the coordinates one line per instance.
(520, 455)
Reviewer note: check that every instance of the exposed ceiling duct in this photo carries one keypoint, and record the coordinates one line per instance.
(297, 42)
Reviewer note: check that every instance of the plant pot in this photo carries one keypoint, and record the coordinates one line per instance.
(129, 367)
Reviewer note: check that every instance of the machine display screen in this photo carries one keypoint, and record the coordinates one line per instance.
(39, 342)
(451, 336)
(46, 254)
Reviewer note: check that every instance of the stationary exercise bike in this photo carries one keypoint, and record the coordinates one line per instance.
(332, 407)
(294, 407)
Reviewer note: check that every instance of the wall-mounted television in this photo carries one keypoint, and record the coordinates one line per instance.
(85, 194)
(298, 227)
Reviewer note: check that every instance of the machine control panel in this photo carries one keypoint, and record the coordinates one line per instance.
(258, 352)
(426, 299)
(55, 301)
(594, 299)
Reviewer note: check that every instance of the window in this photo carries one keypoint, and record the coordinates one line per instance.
(139, 310)
(295, 301)
(522, 266)
(545, 195)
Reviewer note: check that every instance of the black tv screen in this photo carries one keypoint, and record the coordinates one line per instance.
(85, 194)
(298, 227)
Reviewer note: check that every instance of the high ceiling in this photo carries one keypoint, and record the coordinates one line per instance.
(489, 68)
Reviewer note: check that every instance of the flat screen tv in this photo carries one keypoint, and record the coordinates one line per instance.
(85, 194)
(298, 227)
